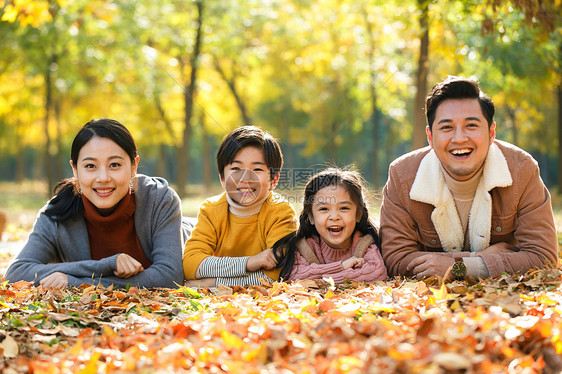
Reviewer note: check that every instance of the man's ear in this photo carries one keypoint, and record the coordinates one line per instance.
(274, 181)
(492, 132)
(222, 181)
(429, 138)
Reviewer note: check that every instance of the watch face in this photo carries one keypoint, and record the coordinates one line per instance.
(459, 269)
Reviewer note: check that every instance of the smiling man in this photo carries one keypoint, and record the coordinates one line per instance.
(468, 204)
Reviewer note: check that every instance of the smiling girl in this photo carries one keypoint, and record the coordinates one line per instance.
(107, 224)
(335, 237)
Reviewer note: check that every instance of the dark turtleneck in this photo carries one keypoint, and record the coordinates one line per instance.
(115, 233)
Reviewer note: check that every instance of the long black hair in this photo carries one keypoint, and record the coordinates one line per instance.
(67, 200)
(352, 181)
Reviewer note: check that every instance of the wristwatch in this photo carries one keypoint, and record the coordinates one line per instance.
(459, 269)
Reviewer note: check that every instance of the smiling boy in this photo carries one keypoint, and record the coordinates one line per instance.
(468, 202)
(235, 231)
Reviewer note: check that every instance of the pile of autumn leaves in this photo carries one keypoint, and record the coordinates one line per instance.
(508, 323)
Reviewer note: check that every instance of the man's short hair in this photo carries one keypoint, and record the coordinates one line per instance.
(454, 87)
(250, 136)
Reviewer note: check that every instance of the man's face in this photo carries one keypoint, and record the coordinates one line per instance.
(460, 137)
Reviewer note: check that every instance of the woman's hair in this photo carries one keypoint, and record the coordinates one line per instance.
(67, 200)
(352, 181)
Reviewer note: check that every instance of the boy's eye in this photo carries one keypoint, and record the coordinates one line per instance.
(235, 168)
(114, 165)
(258, 169)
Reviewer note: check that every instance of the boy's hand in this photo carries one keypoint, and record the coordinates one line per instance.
(353, 262)
(127, 266)
(263, 260)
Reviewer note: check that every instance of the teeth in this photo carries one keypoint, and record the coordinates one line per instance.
(460, 151)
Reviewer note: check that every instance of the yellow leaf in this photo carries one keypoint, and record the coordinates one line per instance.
(455, 305)
(441, 293)
(91, 367)
(329, 294)
(76, 349)
(231, 341)
(259, 354)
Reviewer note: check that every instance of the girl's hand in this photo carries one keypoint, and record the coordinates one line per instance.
(353, 262)
(263, 260)
(127, 266)
(56, 279)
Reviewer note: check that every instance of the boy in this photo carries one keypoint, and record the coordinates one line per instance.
(235, 231)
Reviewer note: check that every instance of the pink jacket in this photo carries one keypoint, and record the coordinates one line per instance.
(315, 259)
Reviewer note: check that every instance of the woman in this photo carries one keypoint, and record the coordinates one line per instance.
(107, 224)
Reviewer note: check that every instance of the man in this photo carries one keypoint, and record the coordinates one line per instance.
(468, 202)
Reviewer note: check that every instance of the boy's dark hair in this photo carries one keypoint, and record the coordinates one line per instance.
(250, 136)
(67, 201)
(353, 183)
(454, 87)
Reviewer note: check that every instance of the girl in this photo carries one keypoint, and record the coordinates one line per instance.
(335, 237)
(107, 224)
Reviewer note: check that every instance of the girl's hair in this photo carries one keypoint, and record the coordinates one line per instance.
(67, 200)
(352, 181)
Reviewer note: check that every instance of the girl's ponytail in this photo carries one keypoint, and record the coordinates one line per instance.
(67, 201)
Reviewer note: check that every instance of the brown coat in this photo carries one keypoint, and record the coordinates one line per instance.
(511, 205)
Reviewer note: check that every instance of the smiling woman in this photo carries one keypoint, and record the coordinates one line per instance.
(107, 224)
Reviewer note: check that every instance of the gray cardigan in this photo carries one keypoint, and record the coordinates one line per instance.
(64, 246)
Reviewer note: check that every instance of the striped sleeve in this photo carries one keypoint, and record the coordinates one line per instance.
(223, 267)
(250, 279)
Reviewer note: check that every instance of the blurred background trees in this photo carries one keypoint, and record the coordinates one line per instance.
(335, 80)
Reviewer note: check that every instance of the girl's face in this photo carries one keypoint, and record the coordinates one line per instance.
(334, 214)
(103, 172)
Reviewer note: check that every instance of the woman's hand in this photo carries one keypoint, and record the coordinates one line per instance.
(56, 279)
(127, 266)
(263, 260)
(353, 262)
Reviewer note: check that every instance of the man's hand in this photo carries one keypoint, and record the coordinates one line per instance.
(430, 265)
(498, 248)
(201, 283)
(127, 266)
(56, 279)
(263, 260)
(353, 262)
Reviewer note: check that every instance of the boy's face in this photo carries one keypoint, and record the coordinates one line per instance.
(247, 179)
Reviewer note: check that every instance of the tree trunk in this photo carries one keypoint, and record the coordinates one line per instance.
(375, 162)
(560, 133)
(51, 179)
(246, 120)
(189, 92)
(419, 136)
(20, 162)
(161, 168)
(58, 158)
(207, 160)
(514, 132)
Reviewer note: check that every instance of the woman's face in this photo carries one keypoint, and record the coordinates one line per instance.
(103, 172)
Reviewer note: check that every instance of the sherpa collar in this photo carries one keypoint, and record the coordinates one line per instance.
(429, 187)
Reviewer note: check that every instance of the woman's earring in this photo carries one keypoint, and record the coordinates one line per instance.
(131, 186)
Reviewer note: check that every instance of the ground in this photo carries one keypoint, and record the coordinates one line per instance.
(511, 323)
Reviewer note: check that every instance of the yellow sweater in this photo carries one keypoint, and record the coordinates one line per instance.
(220, 233)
